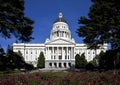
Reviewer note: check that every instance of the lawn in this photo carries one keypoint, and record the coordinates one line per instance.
(61, 78)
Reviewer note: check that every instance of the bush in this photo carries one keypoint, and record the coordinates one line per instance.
(29, 66)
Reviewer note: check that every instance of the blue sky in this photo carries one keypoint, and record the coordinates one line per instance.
(44, 12)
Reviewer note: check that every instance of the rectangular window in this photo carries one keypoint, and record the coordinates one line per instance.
(65, 57)
(60, 57)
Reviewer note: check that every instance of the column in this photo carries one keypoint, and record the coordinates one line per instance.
(62, 64)
(67, 64)
(52, 65)
(62, 54)
(57, 64)
(49, 51)
(71, 52)
(57, 54)
(46, 52)
(60, 33)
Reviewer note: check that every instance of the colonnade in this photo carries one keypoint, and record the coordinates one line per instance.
(59, 53)
(60, 34)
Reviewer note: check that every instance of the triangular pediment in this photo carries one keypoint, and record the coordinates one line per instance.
(60, 42)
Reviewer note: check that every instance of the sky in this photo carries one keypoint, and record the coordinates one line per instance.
(44, 13)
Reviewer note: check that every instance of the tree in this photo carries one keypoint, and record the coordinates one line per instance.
(2, 59)
(80, 61)
(77, 60)
(13, 21)
(102, 25)
(19, 60)
(117, 61)
(9, 58)
(1, 51)
(41, 61)
(14, 59)
(90, 66)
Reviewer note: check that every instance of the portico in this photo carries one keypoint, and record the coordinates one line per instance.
(59, 56)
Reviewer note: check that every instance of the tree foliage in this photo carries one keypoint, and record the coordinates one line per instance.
(102, 24)
(14, 22)
(1, 51)
(14, 60)
(41, 61)
(109, 60)
(11, 60)
(2, 59)
(80, 61)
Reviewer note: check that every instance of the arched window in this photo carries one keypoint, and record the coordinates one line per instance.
(55, 64)
(65, 65)
(50, 64)
(60, 65)
(69, 64)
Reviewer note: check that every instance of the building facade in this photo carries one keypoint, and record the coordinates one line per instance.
(59, 50)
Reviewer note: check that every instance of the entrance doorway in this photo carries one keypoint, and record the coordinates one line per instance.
(60, 65)
(65, 65)
(69, 64)
(55, 64)
(50, 64)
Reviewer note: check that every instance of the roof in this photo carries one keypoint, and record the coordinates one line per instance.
(60, 18)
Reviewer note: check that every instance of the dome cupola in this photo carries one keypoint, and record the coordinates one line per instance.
(60, 18)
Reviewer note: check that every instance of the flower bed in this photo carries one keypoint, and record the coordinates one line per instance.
(61, 78)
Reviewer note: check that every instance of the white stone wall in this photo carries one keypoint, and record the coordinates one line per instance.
(30, 52)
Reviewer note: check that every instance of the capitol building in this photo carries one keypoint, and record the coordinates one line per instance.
(59, 50)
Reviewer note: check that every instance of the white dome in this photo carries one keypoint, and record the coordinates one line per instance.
(60, 28)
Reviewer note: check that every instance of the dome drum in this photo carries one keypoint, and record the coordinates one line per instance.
(60, 25)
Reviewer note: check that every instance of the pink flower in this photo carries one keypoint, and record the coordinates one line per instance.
(27, 84)
(67, 78)
(50, 82)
